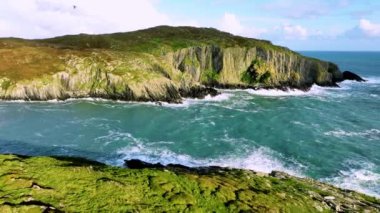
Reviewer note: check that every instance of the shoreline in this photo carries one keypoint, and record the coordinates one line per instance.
(215, 92)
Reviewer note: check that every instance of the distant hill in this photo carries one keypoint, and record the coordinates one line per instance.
(157, 64)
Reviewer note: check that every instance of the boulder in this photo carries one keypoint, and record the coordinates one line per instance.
(138, 164)
(348, 75)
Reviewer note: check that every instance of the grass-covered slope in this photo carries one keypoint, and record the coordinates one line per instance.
(157, 64)
(37, 184)
(154, 40)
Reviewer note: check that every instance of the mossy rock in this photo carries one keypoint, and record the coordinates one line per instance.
(48, 184)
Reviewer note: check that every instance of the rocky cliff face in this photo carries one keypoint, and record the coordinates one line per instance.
(256, 67)
(92, 77)
(166, 74)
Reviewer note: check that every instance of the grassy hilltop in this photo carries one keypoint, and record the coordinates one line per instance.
(43, 56)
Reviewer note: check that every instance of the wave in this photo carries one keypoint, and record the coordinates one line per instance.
(362, 179)
(261, 159)
(115, 136)
(372, 80)
(314, 90)
(191, 101)
(347, 84)
(14, 101)
(372, 134)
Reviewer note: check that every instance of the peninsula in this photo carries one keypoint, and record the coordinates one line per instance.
(157, 64)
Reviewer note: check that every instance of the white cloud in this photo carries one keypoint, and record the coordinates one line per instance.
(295, 32)
(231, 23)
(299, 9)
(370, 29)
(46, 18)
(255, 32)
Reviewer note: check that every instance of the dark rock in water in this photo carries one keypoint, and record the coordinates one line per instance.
(198, 92)
(347, 75)
(138, 164)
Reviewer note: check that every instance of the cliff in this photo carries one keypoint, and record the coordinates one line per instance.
(47, 184)
(157, 64)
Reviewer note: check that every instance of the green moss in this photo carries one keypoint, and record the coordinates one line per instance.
(5, 83)
(257, 73)
(210, 77)
(78, 185)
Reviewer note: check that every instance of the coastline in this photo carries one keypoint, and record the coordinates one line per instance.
(68, 183)
(175, 76)
(212, 92)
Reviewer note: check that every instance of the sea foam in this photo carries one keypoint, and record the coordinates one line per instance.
(261, 159)
(363, 179)
(371, 134)
(191, 101)
(314, 90)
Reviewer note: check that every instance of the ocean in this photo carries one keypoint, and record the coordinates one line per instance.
(329, 134)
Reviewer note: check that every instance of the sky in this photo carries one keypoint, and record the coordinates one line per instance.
(345, 25)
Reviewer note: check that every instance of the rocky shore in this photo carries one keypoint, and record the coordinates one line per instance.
(64, 184)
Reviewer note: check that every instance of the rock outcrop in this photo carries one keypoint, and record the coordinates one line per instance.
(252, 66)
(158, 64)
(348, 75)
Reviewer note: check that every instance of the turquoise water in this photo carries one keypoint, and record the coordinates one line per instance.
(331, 134)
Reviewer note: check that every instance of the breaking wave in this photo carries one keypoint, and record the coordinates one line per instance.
(360, 177)
(371, 134)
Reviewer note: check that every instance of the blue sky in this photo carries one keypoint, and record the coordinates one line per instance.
(297, 24)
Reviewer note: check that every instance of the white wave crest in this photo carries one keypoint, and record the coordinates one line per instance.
(347, 84)
(362, 179)
(314, 90)
(191, 101)
(13, 101)
(372, 134)
(217, 98)
(373, 80)
(261, 159)
(116, 136)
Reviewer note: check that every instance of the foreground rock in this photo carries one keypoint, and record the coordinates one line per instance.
(46, 184)
(157, 64)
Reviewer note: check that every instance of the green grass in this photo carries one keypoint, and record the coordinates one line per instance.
(78, 185)
(155, 39)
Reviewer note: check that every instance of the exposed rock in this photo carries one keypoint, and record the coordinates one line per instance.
(329, 198)
(138, 164)
(279, 174)
(348, 75)
(198, 92)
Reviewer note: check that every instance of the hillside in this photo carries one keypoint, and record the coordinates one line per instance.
(157, 64)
